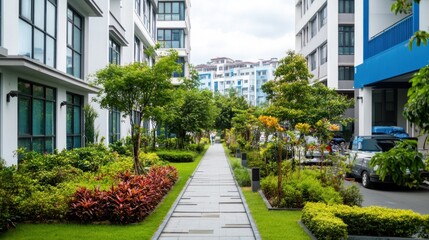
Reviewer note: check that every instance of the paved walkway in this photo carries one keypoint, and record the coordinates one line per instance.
(211, 206)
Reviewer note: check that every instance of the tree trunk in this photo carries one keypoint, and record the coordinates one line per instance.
(279, 175)
(136, 151)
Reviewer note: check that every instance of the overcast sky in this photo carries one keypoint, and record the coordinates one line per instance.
(241, 29)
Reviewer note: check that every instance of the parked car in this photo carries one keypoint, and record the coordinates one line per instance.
(362, 149)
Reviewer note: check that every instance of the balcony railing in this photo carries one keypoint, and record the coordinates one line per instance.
(395, 34)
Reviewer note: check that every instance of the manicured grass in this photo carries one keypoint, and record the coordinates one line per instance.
(143, 230)
(274, 224)
(271, 224)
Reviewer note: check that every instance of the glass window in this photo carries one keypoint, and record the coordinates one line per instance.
(36, 117)
(313, 25)
(137, 7)
(171, 38)
(137, 50)
(346, 40)
(323, 16)
(323, 54)
(114, 52)
(181, 61)
(37, 34)
(346, 6)
(74, 43)
(171, 11)
(114, 126)
(74, 121)
(312, 61)
(346, 73)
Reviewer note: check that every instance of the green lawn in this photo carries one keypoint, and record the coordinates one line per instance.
(271, 224)
(140, 231)
(274, 224)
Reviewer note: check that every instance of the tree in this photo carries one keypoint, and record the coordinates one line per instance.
(192, 111)
(294, 100)
(405, 6)
(229, 105)
(135, 88)
(90, 115)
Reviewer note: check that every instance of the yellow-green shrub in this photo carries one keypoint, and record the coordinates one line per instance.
(369, 221)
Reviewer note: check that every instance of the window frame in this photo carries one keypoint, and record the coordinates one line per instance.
(163, 41)
(114, 49)
(114, 136)
(161, 16)
(74, 135)
(31, 119)
(34, 27)
(342, 8)
(344, 72)
(82, 42)
(323, 16)
(313, 60)
(343, 47)
(323, 49)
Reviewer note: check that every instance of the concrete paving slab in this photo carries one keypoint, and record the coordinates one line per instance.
(211, 206)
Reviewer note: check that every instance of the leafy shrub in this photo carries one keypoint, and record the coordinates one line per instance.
(176, 156)
(122, 146)
(150, 159)
(7, 216)
(131, 200)
(351, 196)
(233, 148)
(242, 176)
(204, 140)
(199, 148)
(368, 221)
(425, 230)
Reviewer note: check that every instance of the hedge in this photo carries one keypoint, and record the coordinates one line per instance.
(330, 222)
(176, 156)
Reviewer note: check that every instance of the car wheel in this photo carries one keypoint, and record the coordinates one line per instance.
(366, 181)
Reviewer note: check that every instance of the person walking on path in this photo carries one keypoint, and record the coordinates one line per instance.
(212, 138)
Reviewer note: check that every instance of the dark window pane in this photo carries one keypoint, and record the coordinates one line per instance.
(77, 21)
(24, 143)
(39, 145)
(49, 145)
(77, 143)
(76, 120)
(69, 33)
(38, 117)
(69, 143)
(24, 87)
(38, 91)
(69, 119)
(50, 118)
(24, 118)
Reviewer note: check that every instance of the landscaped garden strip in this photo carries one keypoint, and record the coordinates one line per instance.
(143, 230)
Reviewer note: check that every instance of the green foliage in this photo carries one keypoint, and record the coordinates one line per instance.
(7, 215)
(176, 156)
(137, 87)
(293, 68)
(196, 147)
(123, 146)
(368, 221)
(190, 112)
(90, 115)
(403, 163)
(351, 196)
(242, 176)
(229, 105)
(415, 109)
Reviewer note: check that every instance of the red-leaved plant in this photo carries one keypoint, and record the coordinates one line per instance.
(131, 200)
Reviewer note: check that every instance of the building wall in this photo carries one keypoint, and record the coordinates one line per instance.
(97, 27)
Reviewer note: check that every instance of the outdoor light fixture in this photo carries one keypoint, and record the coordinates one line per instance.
(359, 98)
(11, 94)
(63, 103)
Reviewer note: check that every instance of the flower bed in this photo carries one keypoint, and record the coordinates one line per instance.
(131, 200)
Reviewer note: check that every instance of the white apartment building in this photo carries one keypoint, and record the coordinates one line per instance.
(325, 37)
(246, 78)
(173, 31)
(48, 51)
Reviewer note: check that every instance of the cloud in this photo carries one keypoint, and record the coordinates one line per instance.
(241, 29)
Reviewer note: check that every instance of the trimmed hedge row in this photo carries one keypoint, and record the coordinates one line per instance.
(176, 156)
(338, 221)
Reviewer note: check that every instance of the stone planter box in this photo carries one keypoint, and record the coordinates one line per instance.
(269, 207)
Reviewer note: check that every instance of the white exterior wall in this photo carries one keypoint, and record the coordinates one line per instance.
(381, 16)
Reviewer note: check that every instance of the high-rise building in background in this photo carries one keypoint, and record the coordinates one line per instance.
(173, 31)
(50, 48)
(385, 64)
(246, 78)
(325, 36)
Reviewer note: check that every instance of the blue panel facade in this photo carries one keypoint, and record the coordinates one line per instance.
(387, 54)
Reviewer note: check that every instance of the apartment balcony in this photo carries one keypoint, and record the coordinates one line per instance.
(117, 31)
(390, 37)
